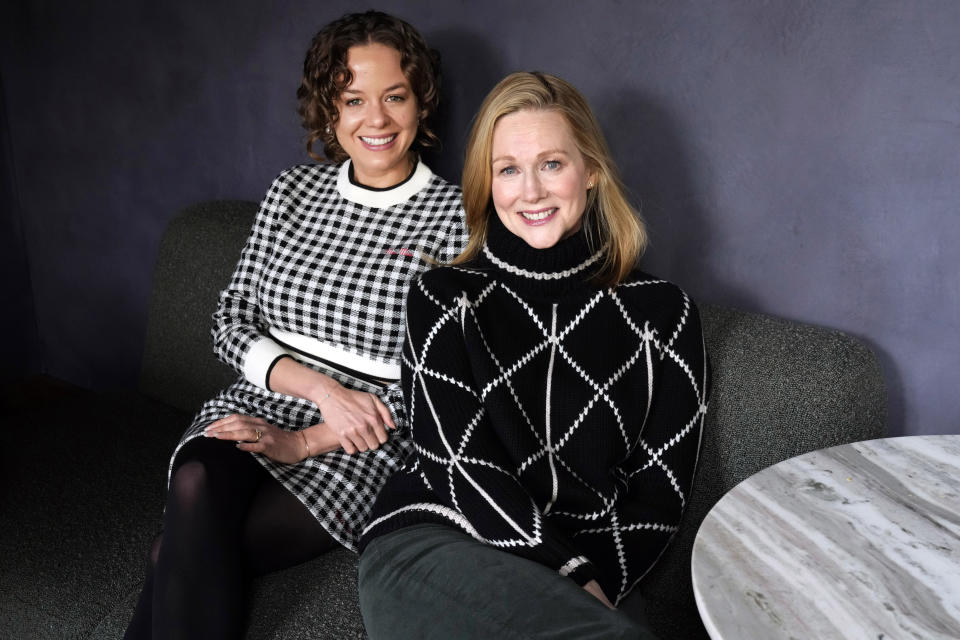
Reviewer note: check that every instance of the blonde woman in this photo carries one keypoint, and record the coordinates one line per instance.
(556, 396)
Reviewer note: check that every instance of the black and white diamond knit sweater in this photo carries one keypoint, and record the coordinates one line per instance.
(551, 418)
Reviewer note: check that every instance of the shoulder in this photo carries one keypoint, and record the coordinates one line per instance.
(442, 196)
(446, 286)
(300, 179)
(655, 298)
(307, 173)
(440, 184)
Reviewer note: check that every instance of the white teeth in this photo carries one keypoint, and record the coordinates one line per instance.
(540, 215)
(378, 141)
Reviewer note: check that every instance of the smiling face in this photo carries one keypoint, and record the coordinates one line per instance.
(540, 179)
(378, 116)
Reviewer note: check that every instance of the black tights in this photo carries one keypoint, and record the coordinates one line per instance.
(227, 520)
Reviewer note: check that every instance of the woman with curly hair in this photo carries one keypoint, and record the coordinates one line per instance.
(284, 464)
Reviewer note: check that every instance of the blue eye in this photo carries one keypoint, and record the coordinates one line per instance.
(353, 102)
(552, 165)
(508, 171)
(395, 98)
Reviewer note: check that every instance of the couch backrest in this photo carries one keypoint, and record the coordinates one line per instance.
(197, 255)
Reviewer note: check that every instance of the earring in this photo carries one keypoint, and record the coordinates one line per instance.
(590, 185)
(327, 130)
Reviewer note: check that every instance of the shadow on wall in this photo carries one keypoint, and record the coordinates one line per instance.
(650, 148)
(471, 67)
(652, 153)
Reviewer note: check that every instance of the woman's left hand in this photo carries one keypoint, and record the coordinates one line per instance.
(259, 436)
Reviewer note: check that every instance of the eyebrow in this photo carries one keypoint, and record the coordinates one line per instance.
(548, 152)
(399, 85)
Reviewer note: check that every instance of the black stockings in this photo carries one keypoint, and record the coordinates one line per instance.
(227, 519)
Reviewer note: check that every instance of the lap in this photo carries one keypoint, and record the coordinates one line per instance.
(217, 487)
(433, 581)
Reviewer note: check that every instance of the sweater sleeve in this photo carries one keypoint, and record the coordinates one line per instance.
(661, 466)
(460, 455)
(240, 337)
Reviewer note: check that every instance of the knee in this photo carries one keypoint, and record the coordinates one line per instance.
(366, 584)
(189, 486)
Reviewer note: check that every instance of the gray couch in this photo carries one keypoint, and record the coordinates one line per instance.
(81, 490)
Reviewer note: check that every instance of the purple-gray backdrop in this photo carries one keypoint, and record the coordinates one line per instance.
(791, 157)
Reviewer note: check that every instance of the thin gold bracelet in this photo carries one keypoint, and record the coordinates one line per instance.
(307, 444)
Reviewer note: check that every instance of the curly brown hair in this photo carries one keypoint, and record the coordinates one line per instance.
(326, 75)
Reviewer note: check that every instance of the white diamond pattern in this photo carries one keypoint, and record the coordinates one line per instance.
(562, 437)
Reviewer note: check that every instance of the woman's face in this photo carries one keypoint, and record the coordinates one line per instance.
(539, 187)
(378, 116)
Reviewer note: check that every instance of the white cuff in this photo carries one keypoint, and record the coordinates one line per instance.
(256, 364)
(571, 565)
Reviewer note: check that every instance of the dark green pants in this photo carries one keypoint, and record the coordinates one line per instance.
(433, 581)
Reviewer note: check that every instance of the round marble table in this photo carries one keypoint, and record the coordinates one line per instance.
(856, 541)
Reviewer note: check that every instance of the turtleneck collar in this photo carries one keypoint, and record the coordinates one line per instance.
(550, 272)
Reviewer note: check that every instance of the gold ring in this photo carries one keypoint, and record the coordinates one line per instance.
(259, 435)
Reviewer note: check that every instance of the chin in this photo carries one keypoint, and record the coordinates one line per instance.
(541, 243)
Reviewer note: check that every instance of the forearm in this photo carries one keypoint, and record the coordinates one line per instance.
(294, 379)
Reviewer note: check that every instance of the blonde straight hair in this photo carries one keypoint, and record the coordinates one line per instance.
(622, 235)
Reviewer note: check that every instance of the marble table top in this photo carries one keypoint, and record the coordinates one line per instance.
(856, 541)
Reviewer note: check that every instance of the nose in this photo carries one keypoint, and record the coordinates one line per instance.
(533, 188)
(376, 115)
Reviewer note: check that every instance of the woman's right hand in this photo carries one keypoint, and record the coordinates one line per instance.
(358, 419)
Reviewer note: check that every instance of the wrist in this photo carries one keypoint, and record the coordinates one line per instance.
(306, 444)
(323, 390)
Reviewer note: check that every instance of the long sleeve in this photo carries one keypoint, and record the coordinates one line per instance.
(462, 457)
(240, 335)
(659, 471)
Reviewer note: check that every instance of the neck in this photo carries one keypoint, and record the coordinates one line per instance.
(542, 273)
(387, 180)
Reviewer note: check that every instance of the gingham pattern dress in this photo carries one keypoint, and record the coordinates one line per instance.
(552, 419)
(326, 269)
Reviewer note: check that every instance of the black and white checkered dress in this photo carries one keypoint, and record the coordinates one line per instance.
(323, 277)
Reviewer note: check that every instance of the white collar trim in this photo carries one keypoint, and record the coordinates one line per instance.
(382, 199)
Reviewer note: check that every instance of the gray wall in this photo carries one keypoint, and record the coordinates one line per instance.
(795, 158)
